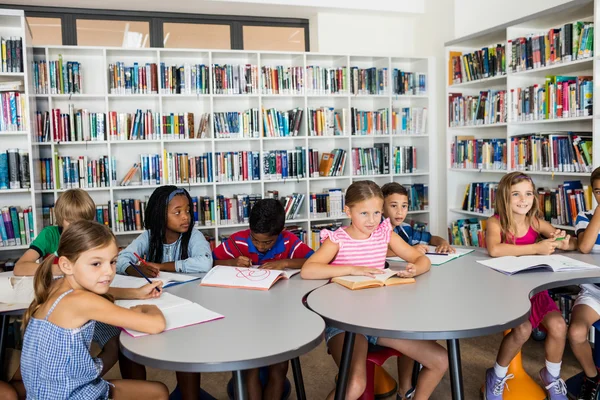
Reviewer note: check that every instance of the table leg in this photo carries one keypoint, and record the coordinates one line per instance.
(3, 337)
(456, 381)
(298, 381)
(239, 385)
(342, 382)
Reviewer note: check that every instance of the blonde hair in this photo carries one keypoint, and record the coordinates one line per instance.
(81, 236)
(361, 191)
(502, 205)
(74, 205)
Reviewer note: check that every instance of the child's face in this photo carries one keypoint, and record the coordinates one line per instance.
(94, 270)
(521, 197)
(263, 241)
(179, 215)
(596, 190)
(365, 215)
(395, 207)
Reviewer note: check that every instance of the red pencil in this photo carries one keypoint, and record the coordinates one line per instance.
(139, 258)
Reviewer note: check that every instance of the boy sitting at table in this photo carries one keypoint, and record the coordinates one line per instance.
(268, 245)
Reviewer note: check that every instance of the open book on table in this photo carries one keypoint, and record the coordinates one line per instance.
(178, 312)
(511, 265)
(168, 279)
(245, 278)
(388, 278)
(437, 258)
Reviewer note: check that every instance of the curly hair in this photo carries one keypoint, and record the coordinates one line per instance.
(268, 217)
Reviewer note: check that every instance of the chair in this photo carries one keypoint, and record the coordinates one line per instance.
(379, 383)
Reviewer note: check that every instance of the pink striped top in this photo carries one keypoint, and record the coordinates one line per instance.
(363, 253)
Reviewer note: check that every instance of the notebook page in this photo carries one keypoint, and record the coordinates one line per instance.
(164, 302)
(170, 277)
(237, 277)
(182, 316)
(437, 259)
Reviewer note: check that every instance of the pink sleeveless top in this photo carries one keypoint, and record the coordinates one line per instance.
(368, 252)
(529, 238)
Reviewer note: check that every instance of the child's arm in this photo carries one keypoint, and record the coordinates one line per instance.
(27, 264)
(199, 257)
(493, 237)
(317, 266)
(145, 292)
(90, 306)
(441, 245)
(587, 231)
(550, 232)
(297, 256)
(290, 263)
(418, 263)
(140, 246)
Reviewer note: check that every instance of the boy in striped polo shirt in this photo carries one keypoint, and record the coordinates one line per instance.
(586, 310)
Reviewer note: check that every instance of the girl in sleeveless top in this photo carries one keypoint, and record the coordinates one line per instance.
(518, 230)
(360, 249)
(55, 362)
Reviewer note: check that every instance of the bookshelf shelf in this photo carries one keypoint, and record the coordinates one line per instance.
(13, 191)
(13, 248)
(550, 121)
(125, 233)
(483, 171)
(328, 137)
(396, 136)
(565, 227)
(545, 173)
(478, 84)
(12, 74)
(86, 143)
(321, 219)
(413, 174)
(93, 189)
(484, 126)
(473, 213)
(13, 133)
(558, 69)
(415, 212)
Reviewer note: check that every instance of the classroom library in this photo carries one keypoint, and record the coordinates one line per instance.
(267, 200)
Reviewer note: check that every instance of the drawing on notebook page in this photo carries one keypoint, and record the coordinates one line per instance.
(251, 274)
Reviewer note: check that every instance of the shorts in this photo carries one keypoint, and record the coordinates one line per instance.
(331, 332)
(541, 305)
(588, 298)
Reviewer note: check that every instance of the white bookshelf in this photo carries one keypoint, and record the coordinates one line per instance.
(96, 98)
(579, 10)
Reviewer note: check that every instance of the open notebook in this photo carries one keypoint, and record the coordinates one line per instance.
(388, 278)
(178, 312)
(16, 292)
(245, 278)
(168, 279)
(511, 265)
(437, 259)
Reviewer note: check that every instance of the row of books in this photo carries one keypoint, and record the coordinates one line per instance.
(184, 79)
(408, 83)
(560, 205)
(409, 121)
(57, 77)
(331, 164)
(314, 240)
(328, 204)
(371, 160)
(480, 64)
(235, 79)
(235, 209)
(324, 81)
(418, 196)
(365, 81)
(14, 169)
(484, 154)
(405, 159)
(284, 164)
(135, 79)
(292, 204)
(237, 166)
(102, 215)
(553, 152)
(558, 97)
(16, 228)
(282, 80)
(281, 123)
(369, 122)
(75, 125)
(151, 125)
(487, 108)
(326, 121)
(76, 172)
(467, 232)
(13, 112)
(233, 124)
(573, 41)
(480, 197)
(12, 54)
(129, 214)
(181, 168)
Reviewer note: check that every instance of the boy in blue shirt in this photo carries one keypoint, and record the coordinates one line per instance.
(586, 310)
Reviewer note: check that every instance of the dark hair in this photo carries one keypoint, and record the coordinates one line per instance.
(156, 222)
(393, 188)
(595, 176)
(82, 235)
(361, 191)
(268, 217)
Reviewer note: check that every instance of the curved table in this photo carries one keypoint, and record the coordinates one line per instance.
(459, 299)
(260, 328)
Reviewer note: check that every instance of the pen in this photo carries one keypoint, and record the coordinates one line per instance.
(139, 258)
(436, 254)
(560, 238)
(236, 247)
(142, 274)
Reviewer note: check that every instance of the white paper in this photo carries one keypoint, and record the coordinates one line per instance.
(245, 278)
(437, 259)
(133, 282)
(16, 292)
(164, 302)
(557, 263)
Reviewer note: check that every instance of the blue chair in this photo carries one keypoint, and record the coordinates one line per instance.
(176, 395)
(263, 374)
(574, 383)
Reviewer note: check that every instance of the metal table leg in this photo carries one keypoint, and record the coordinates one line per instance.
(340, 388)
(298, 381)
(239, 386)
(456, 380)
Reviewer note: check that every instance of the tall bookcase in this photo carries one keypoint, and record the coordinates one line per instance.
(578, 10)
(97, 98)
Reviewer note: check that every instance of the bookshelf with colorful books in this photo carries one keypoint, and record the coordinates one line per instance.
(230, 127)
(547, 128)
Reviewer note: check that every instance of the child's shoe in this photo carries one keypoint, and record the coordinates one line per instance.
(555, 387)
(409, 395)
(494, 385)
(589, 389)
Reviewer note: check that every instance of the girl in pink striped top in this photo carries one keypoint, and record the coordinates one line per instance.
(360, 249)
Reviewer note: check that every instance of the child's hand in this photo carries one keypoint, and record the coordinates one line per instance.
(365, 271)
(445, 248)
(558, 234)
(148, 291)
(279, 265)
(409, 272)
(151, 270)
(146, 309)
(546, 247)
(421, 248)
(242, 261)
(564, 244)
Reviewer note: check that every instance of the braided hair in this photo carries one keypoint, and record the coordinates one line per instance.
(156, 222)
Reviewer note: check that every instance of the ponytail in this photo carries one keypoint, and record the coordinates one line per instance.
(42, 284)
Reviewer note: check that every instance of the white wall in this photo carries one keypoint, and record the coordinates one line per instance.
(471, 16)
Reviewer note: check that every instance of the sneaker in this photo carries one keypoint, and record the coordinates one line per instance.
(409, 395)
(555, 387)
(494, 385)
(589, 389)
